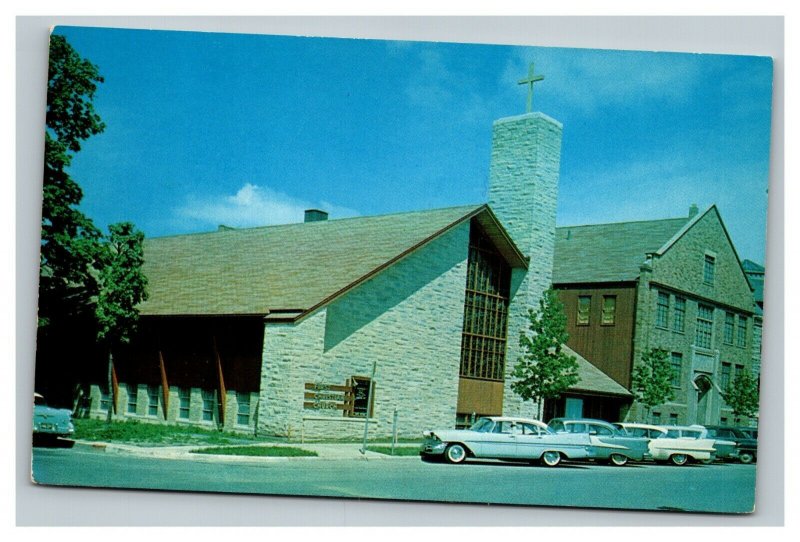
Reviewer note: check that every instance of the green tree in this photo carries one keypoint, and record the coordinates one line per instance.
(544, 371)
(742, 395)
(652, 380)
(70, 241)
(122, 288)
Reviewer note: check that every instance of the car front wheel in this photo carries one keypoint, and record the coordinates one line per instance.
(551, 459)
(679, 459)
(618, 460)
(455, 453)
(746, 458)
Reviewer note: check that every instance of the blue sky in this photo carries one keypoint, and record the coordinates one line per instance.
(246, 130)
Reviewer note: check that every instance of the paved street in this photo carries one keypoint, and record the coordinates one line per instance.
(713, 488)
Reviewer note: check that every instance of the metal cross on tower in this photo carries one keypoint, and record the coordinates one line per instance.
(530, 80)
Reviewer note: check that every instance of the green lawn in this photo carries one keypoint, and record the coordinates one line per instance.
(132, 432)
(257, 451)
(398, 450)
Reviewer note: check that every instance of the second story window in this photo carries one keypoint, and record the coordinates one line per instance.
(705, 326)
(584, 308)
(662, 310)
(679, 320)
(741, 332)
(677, 367)
(609, 310)
(708, 269)
(727, 335)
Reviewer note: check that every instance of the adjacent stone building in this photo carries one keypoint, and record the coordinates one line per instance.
(675, 284)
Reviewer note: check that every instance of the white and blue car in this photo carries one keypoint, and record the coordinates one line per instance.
(505, 438)
(49, 422)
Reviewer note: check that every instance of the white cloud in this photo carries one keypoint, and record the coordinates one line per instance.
(252, 205)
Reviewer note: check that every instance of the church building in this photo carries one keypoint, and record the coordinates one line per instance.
(283, 330)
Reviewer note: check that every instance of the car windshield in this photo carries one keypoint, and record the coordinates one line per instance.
(483, 425)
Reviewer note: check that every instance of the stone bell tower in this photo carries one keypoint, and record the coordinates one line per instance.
(523, 189)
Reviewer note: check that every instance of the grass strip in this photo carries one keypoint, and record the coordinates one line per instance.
(398, 450)
(257, 451)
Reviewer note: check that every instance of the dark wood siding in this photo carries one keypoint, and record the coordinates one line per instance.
(187, 346)
(608, 347)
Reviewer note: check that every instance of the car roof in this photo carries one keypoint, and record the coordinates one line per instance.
(516, 419)
(581, 420)
(643, 426)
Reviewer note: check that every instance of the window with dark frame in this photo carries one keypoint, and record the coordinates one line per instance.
(152, 400)
(208, 397)
(741, 332)
(662, 310)
(708, 269)
(105, 399)
(609, 310)
(673, 419)
(679, 319)
(725, 376)
(242, 408)
(184, 400)
(727, 335)
(737, 371)
(677, 367)
(133, 391)
(483, 342)
(584, 310)
(705, 326)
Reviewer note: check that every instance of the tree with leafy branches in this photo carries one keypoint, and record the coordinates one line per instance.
(70, 245)
(652, 380)
(742, 395)
(122, 288)
(544, 370)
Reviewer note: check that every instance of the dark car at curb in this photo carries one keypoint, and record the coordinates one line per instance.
(745, 444)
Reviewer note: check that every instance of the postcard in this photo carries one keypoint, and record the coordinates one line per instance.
(402, 270)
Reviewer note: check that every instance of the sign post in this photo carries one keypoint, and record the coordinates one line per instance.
(369, 404)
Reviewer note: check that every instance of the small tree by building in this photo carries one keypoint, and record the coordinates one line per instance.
(652, 380)
(742, 395)
(122, 288)
(544, 371)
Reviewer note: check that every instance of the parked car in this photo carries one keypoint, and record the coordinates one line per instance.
(608, 443)
(506, 438)
(662, 447)
(746, 445)
(49, 422)
(725, 449)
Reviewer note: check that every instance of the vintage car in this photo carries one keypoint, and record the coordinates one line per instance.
(677, 450)
(746, 445)
(608, 443)
(725, 449)
(49, 422)
(506, 438)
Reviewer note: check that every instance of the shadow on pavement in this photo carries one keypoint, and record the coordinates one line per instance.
(50, 441)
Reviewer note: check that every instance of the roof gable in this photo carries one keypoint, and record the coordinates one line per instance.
(608, 252)
(290, 268)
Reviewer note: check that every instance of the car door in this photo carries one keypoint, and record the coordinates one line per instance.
(502, 441)
(530, 443)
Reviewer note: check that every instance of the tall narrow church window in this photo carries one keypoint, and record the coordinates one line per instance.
(584, 309)
(184, 400)
(152, 400)
(609, 310)
(133, 391)
(725, 376)
(208, 405)
(483, 342)
(677, 368)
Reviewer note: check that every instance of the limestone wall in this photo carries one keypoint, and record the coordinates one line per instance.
(407, 319)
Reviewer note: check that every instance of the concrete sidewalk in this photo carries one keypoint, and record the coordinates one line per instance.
(324, 451)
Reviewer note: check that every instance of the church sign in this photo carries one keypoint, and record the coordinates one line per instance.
(351, 398)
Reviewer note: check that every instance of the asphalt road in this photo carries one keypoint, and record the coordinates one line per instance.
(712, 488)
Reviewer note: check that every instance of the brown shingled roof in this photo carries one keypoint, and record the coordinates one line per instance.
(294, 267)
(593, 380)
(608, 252)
